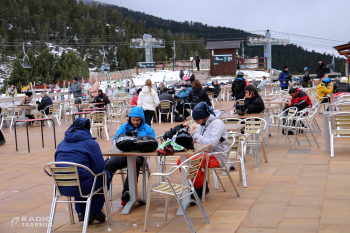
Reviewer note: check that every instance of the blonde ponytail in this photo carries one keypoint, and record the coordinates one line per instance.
(149, 84)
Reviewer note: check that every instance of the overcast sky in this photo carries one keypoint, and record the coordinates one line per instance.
(325, 19)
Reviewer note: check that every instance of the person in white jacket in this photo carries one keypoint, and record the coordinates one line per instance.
(210, 130)
(148, 100)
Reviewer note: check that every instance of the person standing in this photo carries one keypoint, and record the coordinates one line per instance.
(95, 86)
(75, 88)
(306, 78)
(198, 60)
(321, 71)
(238, 86)
(11, 90)
(148, 100)
(284, 83)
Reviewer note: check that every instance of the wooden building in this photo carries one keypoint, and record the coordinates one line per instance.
(223, 57)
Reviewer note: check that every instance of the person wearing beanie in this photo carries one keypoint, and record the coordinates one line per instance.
(210, 130)
(30, 101)
(284, 82)
(238, 86)
(321, 71)
(342, 86)
(76, 89)
(11, 90)
(323, 91)
(306, 78)
(101, 98)
(253, 102)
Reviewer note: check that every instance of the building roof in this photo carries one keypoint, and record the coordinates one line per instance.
(343, 50)
(223, 45)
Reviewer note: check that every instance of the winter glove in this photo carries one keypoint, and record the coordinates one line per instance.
(129, 133)
(73, 91)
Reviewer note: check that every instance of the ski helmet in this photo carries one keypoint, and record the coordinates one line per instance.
(326, 80)
(305, 68)
(240, 74)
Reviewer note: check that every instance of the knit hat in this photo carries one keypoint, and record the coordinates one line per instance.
(29, 93)
(201, 111)
(285, 67)
(76, 79)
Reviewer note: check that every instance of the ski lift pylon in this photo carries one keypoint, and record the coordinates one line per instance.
(25, 63)
(105, 65)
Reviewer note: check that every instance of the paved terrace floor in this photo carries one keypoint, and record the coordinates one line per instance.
(301, 190)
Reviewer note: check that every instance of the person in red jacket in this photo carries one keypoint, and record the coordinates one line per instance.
(135, 98)
(299, 99)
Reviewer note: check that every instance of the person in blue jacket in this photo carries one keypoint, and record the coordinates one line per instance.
(284, 82)
(136, 123)
(184, 95)
(78, 146)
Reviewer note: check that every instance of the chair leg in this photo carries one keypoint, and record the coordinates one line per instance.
(216, 185)
(232, 182)
(110, 191)
(332, 145)
(200, 206)
(70, 209)
(263, 147)
(108, 204)
(147, 210)
(220, 181)
(52, 214)
(87, 213)
(106, 132)
(143, 182)
(243, 174)
(315, 139)
(166, 207)
(184, 211)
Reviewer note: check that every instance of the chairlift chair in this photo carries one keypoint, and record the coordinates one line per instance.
(25, 63)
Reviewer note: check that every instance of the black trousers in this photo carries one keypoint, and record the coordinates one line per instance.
(284, 88)
(2, 138)
(180, 109)
(148, 116)
(118, 162)
(197, 65)
(327, 100)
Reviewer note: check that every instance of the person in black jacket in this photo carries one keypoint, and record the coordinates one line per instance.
(2, 138)
(198, 60)
(192, 78)
(238, 87)
(101, 98)
(306, 78)
(45, 102)
(198, 94)
(321, 70)
(342, 86)
(217, 88)
(253, 103)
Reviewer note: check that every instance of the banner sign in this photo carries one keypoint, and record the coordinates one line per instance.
(222, 58)
(146, 65)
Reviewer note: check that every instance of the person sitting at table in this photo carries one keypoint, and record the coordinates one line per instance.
(162, 97)
(342, 86)
(211, 130)
(45, 102)
(101, 98)
(184, 94)
(78, 146)
(217, 88)
(299, 99)
(30, 101)
(323, 91)
(262, 84)
(198, 94)
(253, 102)
(136, 123)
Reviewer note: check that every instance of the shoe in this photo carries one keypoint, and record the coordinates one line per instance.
(2, 142)
(101, 217)
(81, 217)
(232, 168)
(125, 197)
(36, 124)
(290, 133)
(123, 203)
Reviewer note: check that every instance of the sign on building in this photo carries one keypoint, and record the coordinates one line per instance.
(146, 65)
(222, 58)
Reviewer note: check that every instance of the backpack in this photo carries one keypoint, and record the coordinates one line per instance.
(195, 101)
(169, 134)
(238, 86)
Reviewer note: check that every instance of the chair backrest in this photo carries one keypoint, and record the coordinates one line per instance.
(210, 94)
(254, 125)
(121, 94)
(52, 108)
(65, 174)
(85, 106)
(165, 104)
(72, 101)
(344, 107)
(240, 101)
(192, 168)
(341, 124)
(5, 112)
(98, 117)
